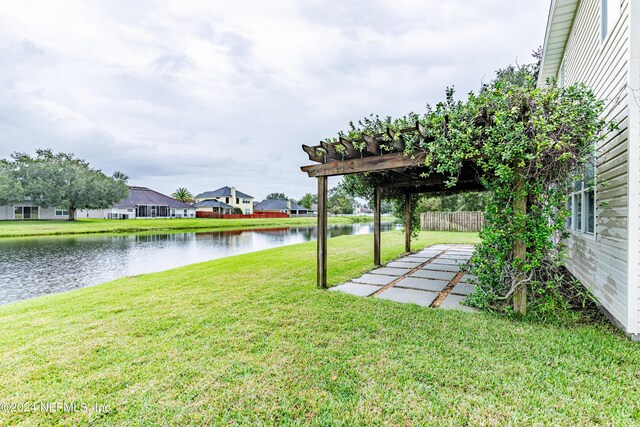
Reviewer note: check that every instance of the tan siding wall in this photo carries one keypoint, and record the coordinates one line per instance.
(602, 263)
(634, 137)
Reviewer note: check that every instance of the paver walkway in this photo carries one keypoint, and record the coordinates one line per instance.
(434, 277)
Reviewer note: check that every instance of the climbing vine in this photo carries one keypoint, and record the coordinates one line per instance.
(511, 131)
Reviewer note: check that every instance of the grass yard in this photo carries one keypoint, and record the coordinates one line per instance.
(249, 340)
(85, 226)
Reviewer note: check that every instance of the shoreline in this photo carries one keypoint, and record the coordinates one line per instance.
(19, 229)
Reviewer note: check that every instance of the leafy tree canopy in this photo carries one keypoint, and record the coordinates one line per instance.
(308, 200)
(183, 195)
(471, 201)
(340, 202)
(276, 196)
(59, 180)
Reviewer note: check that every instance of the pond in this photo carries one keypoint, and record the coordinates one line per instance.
(31, 267)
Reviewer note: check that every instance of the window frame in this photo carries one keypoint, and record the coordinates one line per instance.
(579, 191)
(606, 25)
(31, 212)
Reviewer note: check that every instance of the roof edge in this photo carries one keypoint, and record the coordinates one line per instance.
(549, 67)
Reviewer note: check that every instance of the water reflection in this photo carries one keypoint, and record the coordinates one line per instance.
(39, 266)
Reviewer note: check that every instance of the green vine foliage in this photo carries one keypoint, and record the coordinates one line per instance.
(509, 130)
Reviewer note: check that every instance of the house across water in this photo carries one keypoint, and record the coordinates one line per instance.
(141, 203)
(228, 197)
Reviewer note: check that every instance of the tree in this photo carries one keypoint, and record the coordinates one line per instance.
(276, 196)
(386, 206)
(11, 191)
(64, 181)
(308, 200)
(340, 202)
(470, 201)
(183, 195)
(527, 142)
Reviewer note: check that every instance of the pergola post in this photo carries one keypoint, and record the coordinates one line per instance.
(407, 223)
(376, 225)
(322, 231)
(519, 247)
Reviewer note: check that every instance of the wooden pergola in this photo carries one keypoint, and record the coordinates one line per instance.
(390, 171)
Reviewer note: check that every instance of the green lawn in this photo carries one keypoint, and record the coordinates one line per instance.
(249, 340)
(83, 226)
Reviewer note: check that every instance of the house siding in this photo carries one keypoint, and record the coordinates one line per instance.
(634, 153)
(602, 263)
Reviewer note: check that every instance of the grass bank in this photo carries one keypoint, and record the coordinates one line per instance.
(86, 226)
(249, 340)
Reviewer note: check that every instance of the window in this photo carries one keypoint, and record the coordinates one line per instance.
(247, 211)
(62, 212)
(582, 205)
(227, 200)
(609, 14)
(246, 201)
(26, 212)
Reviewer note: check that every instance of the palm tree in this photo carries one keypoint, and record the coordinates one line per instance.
(183, 195)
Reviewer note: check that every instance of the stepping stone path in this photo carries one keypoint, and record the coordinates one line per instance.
(434, 277)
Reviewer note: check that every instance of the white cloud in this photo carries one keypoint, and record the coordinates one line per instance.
(204, 94)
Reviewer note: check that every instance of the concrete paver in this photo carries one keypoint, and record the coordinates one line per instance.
(388, 271)
(422, 284)
(358, 289)
(468, 278)
(435, 274)
(423, 298)
(463, 289)
(453, 302)
(404, 264)
(374, 279)
(441, 267)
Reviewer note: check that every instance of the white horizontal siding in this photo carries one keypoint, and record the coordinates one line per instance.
(634, 154)
(602, 263)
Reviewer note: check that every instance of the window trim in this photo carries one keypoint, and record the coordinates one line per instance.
(605, 29)
(37, 208)
(570, 225)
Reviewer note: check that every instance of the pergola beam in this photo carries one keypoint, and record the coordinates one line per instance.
(322, 231)
(377, 207)
(365, 164)
(407, 223)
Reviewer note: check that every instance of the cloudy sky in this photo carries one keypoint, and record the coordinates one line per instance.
(203, 94)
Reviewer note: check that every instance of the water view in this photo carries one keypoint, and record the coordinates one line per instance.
(31, 267)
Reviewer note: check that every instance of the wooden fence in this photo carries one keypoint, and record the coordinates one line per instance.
(207, 214)
(452, 221)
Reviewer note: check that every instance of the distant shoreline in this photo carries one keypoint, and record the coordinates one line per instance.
(11, 229)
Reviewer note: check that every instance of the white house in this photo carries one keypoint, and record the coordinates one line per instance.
(229, 196)
(281, 205)
(141, 203)
(28, 210)
(597, 42)
(146, 203)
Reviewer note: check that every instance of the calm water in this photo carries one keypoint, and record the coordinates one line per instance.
(38, 266)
